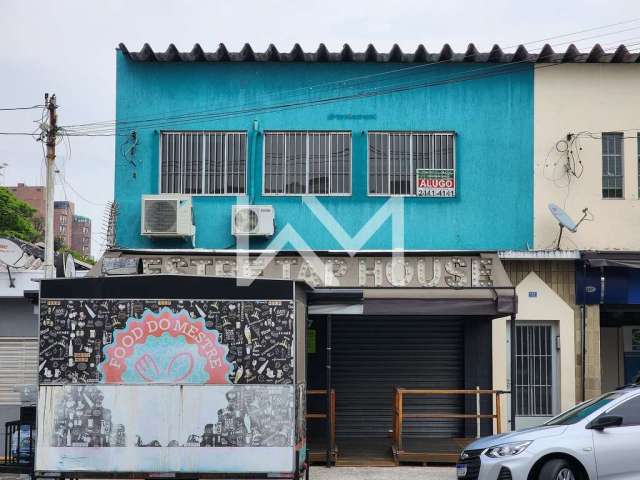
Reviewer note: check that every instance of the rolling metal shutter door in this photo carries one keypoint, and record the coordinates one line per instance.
(18, 366)
(372, 355)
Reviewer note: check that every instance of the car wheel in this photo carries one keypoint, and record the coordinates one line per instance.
(558, 469)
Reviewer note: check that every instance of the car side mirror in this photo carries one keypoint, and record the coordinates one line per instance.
(605, 421)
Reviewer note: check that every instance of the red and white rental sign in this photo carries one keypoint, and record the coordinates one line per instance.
(435, 182)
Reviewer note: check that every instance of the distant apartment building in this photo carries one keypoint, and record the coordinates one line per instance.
(81, 234)
(72, 230)
(63, 213)
(36, 196)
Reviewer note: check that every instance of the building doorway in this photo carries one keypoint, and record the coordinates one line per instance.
(537, 394)
(619, 346)
(372, 355)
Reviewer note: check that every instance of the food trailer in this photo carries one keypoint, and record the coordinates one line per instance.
(171, 376)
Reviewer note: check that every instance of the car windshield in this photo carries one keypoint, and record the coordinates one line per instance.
(583, 410)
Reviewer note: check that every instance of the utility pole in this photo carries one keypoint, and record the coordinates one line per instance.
(50, 131)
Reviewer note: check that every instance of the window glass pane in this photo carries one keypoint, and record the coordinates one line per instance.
(274, 163)
(583, 410)
(296, 159)
(214, 162)
(299, 163)
(395, 157)
(378, 163)
(340, 163)
(629, 411)
(400, 164)
(198, 162)
(236, 160)
(318, 163)
(612, 165)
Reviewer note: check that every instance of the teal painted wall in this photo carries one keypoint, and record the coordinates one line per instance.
(492, 117)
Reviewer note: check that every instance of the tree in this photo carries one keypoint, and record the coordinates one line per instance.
(16, 217)
(75, 254)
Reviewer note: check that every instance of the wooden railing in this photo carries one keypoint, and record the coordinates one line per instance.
(330, 417)
(399, 414)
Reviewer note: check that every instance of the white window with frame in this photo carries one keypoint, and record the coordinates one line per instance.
(395, 157)
(307, 163)
(203, 163)
(612, 165)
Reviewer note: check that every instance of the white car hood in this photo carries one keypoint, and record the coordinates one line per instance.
(519, 436)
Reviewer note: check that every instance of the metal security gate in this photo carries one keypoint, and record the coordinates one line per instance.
(534, 374)
(18, 366)
(536, 364)
(372, 355)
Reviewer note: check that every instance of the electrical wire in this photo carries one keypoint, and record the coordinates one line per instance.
(13, 109)
(486, 73)
(343, 82)
(83, 198)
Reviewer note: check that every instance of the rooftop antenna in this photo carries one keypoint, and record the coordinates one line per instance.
(565, 221)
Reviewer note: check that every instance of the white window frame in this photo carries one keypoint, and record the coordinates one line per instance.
(223, 132)
(412, 185)
(602, 176)
(307, 194)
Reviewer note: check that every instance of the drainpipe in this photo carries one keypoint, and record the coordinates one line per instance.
(513, 372)
(330, 418)
(256, 133)
(583, 314)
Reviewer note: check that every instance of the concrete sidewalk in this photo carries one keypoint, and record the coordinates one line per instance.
(383, 473)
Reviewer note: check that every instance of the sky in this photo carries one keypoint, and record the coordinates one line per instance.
(67, 47)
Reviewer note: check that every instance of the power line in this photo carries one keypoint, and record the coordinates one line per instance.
(17, 133)
(12, 109)
(343, 82)
(485, 72)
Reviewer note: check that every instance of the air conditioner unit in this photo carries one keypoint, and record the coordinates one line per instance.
(167, 215)
(253, 220)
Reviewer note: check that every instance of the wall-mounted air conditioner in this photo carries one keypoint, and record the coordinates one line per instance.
(252, 220)
(167, 215)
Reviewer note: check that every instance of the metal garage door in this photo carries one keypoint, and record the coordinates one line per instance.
(372, 355)
(18, 366)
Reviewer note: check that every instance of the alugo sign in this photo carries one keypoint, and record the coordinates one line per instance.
(435, 182)
(409, 271)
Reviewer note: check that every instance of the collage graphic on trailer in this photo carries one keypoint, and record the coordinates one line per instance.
(166, 342)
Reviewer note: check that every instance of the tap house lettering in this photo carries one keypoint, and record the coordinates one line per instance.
(359, 271)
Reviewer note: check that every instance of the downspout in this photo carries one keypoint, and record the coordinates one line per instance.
(514, 378)
(254, 140)
(330, 418)
(583, 314)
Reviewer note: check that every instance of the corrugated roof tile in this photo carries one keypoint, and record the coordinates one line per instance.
(371, 54)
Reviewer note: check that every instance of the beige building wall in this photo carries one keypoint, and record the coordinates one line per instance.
(595, 98)
(554, 282)
(560, 277)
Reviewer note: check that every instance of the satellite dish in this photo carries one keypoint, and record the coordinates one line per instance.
(11, 254)
(69, 266)
(563, 218)
(565, 221)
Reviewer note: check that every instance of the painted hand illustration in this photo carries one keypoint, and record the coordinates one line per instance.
(179, 368)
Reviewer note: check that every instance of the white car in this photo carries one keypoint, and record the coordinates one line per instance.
(598, 439)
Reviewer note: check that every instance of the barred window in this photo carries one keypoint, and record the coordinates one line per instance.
(395, 158)
(203, 163)
(612, 165)
(307, 163)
